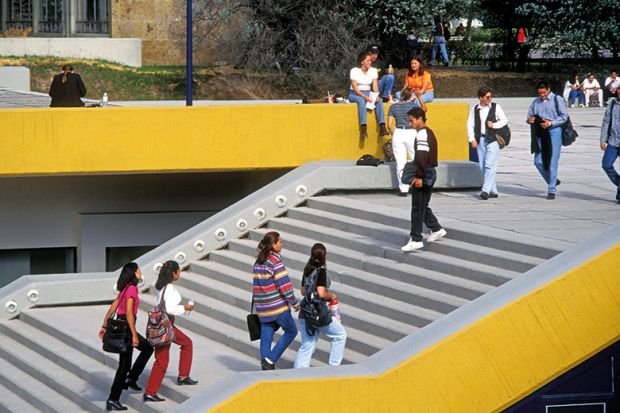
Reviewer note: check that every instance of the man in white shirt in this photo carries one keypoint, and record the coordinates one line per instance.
(612, 83)
(592, 87)
(482, 117)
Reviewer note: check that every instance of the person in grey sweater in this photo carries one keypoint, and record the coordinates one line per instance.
(610, 141)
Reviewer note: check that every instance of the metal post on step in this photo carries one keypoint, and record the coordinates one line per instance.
(188, 56)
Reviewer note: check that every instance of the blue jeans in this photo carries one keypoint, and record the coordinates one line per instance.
(488, 158)
(576, 95)
(551, 175)
(428, 96)
(267, 330)
(439, 42)
(386, 83)
(361, 107)
(334, 331)
(609, 159)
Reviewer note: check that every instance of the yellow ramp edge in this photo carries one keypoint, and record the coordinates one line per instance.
(485, 367)
(164, 139)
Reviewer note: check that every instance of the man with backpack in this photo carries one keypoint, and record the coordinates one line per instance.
(610, 141)
(484, 118)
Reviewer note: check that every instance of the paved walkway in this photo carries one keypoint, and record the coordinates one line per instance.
(585, 203)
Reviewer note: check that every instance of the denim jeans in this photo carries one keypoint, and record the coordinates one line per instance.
(576, 95)
(428, 96)
(334, 331)
(386, 83)
(267, 330)
(609, 159)
(488, 158)
(421, 213)
(361, 107)
(551, 175)
(439, 42)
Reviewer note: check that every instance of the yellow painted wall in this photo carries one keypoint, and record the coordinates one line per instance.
(95, 140)
(485, 367)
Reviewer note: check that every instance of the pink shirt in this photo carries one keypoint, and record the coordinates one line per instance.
(131, 291)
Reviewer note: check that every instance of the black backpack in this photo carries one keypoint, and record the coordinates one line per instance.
(314, 310)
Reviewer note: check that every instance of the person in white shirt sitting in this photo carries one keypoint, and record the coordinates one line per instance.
(612, 83)
(592, 87)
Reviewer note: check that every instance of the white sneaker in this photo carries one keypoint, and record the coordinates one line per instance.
(436, 235)
(412, 246)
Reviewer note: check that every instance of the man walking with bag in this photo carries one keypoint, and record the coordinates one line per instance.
(546, 130)
(610, 141)
(483, 118)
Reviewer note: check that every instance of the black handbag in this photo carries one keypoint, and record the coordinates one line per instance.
(569, 134)
(116, 338)
(502, 136)
(253, 323)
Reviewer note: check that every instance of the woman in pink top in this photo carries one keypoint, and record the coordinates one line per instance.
(126, 375)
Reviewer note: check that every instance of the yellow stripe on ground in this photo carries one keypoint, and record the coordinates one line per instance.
(485, 367)
(100, 140)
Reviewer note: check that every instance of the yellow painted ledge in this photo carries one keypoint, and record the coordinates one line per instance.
(97, 140)
(485, 367)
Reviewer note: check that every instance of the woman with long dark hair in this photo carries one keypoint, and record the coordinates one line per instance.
(169, 273)
(67, 88)
(418, 78)
(127, 305)
(273, 295)
(334, 331)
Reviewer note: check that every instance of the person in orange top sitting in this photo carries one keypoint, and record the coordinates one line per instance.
(418, 79)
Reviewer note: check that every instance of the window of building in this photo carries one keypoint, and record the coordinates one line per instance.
(51, 18)
(15, 263)
(93, 16)
(19, 14)
(116, 257)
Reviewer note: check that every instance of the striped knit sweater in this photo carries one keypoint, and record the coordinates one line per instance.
(272, 289)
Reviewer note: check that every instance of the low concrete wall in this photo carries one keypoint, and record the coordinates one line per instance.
(143, 139)
(15, 77)
(124, 51)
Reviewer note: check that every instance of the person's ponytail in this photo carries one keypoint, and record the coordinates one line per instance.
(265, 246)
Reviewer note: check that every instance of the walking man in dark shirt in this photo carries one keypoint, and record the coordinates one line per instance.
(422, 182)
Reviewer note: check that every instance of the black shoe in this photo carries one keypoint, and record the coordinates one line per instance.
(446, 64)
(484, 195)
(403, 194)
(385, 100)
(152, 398)
(132, 384)
(363, 132)
(114, 405)
(558, 182)
(383, 130)
(551, 195)
(265, 365)
(188, 381)
(492, 195)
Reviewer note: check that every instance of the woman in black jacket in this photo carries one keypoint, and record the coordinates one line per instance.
(67, 88)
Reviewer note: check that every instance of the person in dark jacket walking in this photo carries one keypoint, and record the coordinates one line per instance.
(425, 162)
(67, 88)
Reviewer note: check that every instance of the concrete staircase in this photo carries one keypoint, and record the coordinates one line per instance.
(51, 359)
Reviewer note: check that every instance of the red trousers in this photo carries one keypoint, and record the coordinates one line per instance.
(162, 356)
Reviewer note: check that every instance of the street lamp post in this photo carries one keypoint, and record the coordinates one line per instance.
(188, 56)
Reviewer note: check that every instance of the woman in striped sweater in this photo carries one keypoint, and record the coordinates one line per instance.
(273, 296)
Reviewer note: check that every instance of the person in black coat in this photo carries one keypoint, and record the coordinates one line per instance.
(67, 89)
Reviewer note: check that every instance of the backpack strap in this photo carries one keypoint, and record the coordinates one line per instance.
(611, 118)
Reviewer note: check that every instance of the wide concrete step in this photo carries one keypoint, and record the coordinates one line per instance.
(388, 307)
(344, 274)
(76, 364)
(355, 317)
(21, 393)
(475, 266)
(423, 259)
(462, 231)
(52, 375)
(376, 264)
(224, 309)
(92, 352)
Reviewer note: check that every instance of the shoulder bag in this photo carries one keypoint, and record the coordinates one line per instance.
(253, 323)
(159, 331)
(569, 134)
(116, 338)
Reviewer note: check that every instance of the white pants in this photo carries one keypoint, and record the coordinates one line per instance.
(591, 92)
(402, 145)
